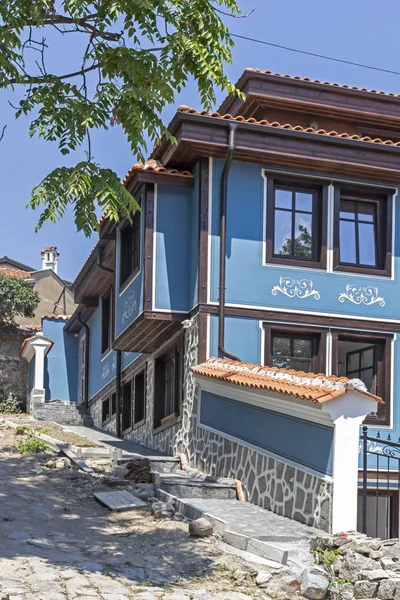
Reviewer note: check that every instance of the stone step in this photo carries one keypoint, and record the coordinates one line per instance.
(159, 464)
(183, 486)
(63, 414)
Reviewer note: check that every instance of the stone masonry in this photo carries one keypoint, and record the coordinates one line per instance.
(13, 368)
(269, 483)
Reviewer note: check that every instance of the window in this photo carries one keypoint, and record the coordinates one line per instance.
(299, 348)
(140, 398)
(113, 404)
(296, 223)
(362, 231)
(364, 357)
(127, 407)
(105, 410)
(168, 385)
(106, 322)
(130, 249)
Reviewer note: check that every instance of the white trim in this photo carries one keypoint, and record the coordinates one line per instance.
(153, 283)
(328, 362)
(208, 336)
(330, 225)
(262, 342)
(128, 283)
(264, 219)
(242, 442)
(107, 354)
(300, 409)
(329, 178)
(171, 310)
(302, 312)
(209, 236)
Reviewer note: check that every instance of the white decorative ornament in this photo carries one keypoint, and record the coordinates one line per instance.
(300, 288)
(106, 371)
(362, 295)
(114, 363)
(371, 447)
(130, 307)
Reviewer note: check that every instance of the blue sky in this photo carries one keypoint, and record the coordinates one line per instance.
(364, 31)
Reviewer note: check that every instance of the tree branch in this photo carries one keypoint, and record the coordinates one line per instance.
(3, 132)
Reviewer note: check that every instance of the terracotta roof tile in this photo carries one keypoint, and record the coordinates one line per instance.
(328, 83)
(57, 317)
(155, 167)
(317, 388)
(275, 124)
(16, 273)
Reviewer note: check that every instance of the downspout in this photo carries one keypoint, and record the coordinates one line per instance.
(118, 370)
(86, 381)
(222, 250)
(99, 261)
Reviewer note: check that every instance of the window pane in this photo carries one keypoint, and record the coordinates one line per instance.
(301, 365)
(283, 233)
(283, 199)
(367, 376)
(303, 236)
(304, 201)
(347, 242)
(366, 233)
(366, 212)
(347, 210)
(353, 362)
(280, 362)
(281, 346)
(367, 358)
(301, 348)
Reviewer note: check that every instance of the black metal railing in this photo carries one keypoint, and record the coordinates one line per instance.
(380, 483)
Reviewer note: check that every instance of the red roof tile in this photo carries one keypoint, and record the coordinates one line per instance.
(154, 167)
(318, 388)
(57, 317)
(16, 273)
(276, 125)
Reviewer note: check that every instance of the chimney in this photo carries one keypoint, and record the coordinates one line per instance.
(50, 258)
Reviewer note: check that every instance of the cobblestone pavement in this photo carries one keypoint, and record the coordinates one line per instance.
(58, 543)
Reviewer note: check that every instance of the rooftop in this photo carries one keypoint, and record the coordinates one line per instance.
(154, 166)
(317, 388)
(15, 273)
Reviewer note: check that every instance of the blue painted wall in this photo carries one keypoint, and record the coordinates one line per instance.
(61, 362)
(291, 438)
(129, 299)
(176, 250)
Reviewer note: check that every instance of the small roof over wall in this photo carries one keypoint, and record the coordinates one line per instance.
(317, 388)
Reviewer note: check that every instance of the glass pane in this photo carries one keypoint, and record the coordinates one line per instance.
(283, 233)
(367, 376)
(366, 233)
(283, 199)
(366, 212)
(347, 210)
(301, 348)
(281, 346)
(353, 362)
(367, 358)
(301, 365)
(304, 201)
(347, 242)
(280, 363)
(303, 236)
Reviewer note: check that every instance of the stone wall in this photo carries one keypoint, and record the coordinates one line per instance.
(269, 483)
(13, 368)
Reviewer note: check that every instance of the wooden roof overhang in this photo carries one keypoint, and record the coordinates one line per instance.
(299, 95)
(149, 331)
(205, 135)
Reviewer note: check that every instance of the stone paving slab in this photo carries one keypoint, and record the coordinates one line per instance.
(119, 500)
(101, 437)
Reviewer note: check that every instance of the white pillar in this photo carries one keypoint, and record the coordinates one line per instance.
(347, 412)
(37, 347)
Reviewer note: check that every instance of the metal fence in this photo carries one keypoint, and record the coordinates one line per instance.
(380, 485)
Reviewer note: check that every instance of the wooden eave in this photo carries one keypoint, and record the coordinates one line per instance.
(93, 281)
(301, 96)
(149, 331)
(160, 178)
(202, 135)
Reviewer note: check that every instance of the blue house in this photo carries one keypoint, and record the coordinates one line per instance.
(268, 235)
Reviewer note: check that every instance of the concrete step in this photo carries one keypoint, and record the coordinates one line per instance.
(63, 414)
(183, 486)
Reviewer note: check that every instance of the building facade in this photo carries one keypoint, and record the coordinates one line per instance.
(269, 234)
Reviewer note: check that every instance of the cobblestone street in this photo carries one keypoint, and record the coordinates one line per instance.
(58, 543)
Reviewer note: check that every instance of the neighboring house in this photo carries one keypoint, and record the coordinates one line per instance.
(56, 298)
(301, 180)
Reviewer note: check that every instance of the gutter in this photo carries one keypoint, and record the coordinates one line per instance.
(86, 380)
(222, 249)
(99, 260)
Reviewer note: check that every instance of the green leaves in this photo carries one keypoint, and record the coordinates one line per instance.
(136, 56)
(17, 298)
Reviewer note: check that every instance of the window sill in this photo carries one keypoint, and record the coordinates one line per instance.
(139, 424)
(361, 270)
(125, 284)
(166, 423)
(294, 262)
